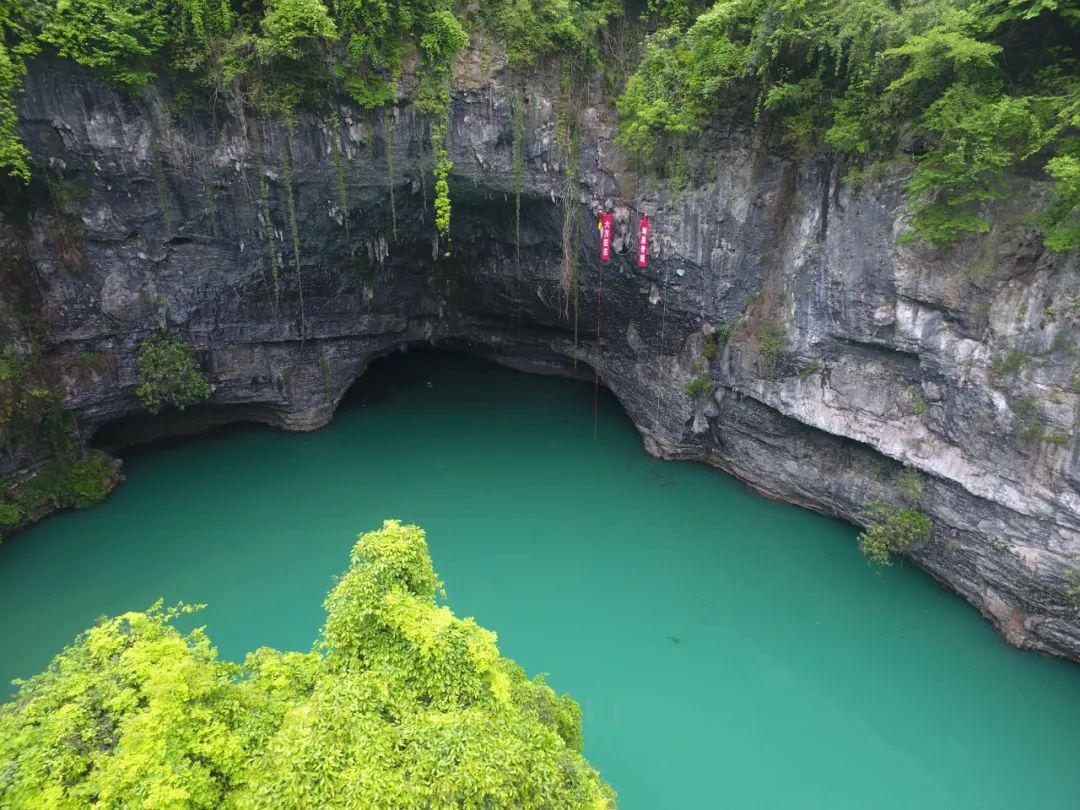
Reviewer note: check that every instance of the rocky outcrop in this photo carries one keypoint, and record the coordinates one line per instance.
(841, 356)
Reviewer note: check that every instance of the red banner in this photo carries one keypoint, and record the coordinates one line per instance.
(605, 237)
(643, 243)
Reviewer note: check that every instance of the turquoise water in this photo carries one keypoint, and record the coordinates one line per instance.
(727, 651)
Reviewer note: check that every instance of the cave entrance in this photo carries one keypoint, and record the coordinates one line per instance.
(418, 364)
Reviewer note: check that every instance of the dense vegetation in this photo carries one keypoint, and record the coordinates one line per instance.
(32, 413)
(895, 524)
(168, 375)
(271, 57)
(966, 89)
(399, 705)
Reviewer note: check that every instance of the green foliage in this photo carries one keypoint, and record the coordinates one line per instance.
(388, 138)
(971, 88)
(1061, 220)
(811, 368)
(401, 704)
(294, 230)
(700, 384)
(979, 136)
(1008, 365)
(517, 127)
(279, 54)
(908, 485)
(1028, 418)
(32, 413)
(532, 28)
(443, 38)
(30, 407)
(770, 342)
(443, 164)
(18, 22)
(339, 170)
(168, 375)
(891, 530)
(1072, 589)
(68, 481)
(291, 27)
(118, 38)
(710, 348)
(918, 404)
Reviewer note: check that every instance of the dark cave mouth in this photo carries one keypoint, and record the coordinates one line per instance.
(382, 375)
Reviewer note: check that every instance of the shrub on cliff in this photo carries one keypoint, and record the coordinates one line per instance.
(400, 704)
(891, 530)
(168, 375)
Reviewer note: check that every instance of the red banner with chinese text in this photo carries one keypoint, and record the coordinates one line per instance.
(605, 237)
(643, 243)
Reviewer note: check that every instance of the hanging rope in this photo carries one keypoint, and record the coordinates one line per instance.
(660, 356)
(596, 364)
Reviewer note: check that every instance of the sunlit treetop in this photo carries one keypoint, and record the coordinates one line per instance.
(400, 704)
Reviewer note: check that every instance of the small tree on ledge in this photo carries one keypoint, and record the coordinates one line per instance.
(169, 375)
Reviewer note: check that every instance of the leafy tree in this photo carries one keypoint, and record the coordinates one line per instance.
(168, 375)
(116, 37)
(1061, 220)
(18, 24)
(291, 27)
(400, 704)
(892, 530)
(971, 88)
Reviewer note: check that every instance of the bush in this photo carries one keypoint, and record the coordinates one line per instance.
(116, 37)
(291, 27)
(400, 704)
(168, 375)
(891, 530)
(771, 340)
(699, 385)
(69, 481)
(1028, 418)
(908, 485)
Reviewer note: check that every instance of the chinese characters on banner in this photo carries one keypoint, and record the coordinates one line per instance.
(643, 243)
(605, 237)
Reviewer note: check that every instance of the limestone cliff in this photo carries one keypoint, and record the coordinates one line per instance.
(841, 356)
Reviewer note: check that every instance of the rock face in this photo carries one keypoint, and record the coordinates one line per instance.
(840, 356)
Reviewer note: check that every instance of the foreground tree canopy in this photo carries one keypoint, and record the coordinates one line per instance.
(399, 705)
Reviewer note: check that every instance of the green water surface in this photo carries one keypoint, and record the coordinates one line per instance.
(727, 651)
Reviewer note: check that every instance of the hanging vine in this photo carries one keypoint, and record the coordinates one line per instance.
(335, 154)
(422, 162)
(441, 170)
(568, 140)
(444, 38)
(294, 231)
(388, 136)
(327, 381)
(268, 229)
(518, 137)
(159, 185)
